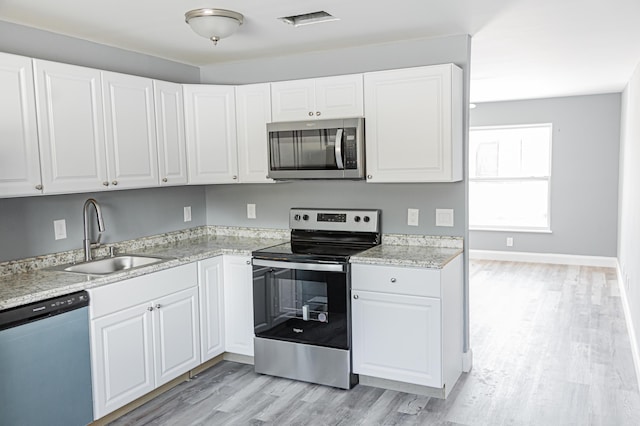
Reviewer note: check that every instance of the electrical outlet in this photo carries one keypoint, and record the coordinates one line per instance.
(444, 217)
(60, 229)
(251, 211)
(187, 214)
(509, 241)
(413, 217)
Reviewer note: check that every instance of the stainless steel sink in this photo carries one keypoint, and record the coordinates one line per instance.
(110, 265)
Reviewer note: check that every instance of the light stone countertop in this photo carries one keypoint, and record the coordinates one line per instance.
(40, 284)
(31, 282)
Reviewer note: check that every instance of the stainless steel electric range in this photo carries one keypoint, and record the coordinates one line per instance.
(301, 296)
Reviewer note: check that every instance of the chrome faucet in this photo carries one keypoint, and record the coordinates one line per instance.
(87, 239)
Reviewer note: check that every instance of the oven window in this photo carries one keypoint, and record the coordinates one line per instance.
(301, 306)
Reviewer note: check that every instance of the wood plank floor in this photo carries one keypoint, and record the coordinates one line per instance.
(550, 348)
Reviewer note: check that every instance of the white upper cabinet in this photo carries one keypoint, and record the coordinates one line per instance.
(210, 120)
(19, 161)
(253, 112)
(172, 153)
(71, 128)
(414, 124)
(319, 98)
(132, 154)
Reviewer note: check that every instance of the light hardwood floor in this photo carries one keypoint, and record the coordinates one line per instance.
(550, 348)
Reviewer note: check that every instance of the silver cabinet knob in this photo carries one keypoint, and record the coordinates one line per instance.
(310, 113)
(39, 187)
(393, 280)
(105, 183)
(165, 179)
(318, 113)
(158, 306)
(369, 177)
(248, 262)
(150, 308)
(355, 296)
(114, 183)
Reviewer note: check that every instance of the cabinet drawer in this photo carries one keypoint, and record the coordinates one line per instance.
(130, 292)
(397, 280)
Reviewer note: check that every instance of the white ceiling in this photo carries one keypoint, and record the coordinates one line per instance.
(521, 49)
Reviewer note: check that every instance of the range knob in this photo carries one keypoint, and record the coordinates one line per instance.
(367, 219)
(296, 217)
(357, 218)
(305, 217)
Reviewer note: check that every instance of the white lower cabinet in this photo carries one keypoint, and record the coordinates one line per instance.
(144, 333)
(407, 323)
(238, 305)
(211, 288)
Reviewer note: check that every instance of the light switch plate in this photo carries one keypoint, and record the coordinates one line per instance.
(444, 217)
(413, 217)
(251, 211)
(187, 214)
(509, 241)
(60, 229)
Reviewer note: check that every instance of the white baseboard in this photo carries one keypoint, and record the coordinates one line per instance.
(635, 350)
(560, 259)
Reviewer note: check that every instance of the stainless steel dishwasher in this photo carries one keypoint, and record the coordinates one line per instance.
(45, 367)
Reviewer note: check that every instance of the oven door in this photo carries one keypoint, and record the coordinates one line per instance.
(302, 302)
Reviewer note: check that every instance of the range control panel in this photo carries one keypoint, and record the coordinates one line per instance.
(335, 220)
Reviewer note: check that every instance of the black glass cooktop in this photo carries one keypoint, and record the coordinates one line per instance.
(308, 251)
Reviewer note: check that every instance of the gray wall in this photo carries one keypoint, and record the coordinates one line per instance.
(629, 204)
(584, 175)
(27, 41)
(26, 224)
(227, 204)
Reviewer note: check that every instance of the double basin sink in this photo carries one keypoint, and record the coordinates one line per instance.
(111, 265)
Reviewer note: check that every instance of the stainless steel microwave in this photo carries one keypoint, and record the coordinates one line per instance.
(317, 149)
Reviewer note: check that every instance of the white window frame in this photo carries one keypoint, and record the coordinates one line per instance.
(515, 228)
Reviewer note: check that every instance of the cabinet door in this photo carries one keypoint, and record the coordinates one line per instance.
(176, 334)
(238, 305)
(210, 280)
(210, 118)
(339, 97)
(414, 124)
(253, 112)
(172, 152)
(19, 162)
(122, 358)
(397, 337)
(293, 100)
(132, 152)
(70, 127)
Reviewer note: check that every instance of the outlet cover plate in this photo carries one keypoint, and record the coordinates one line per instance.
(187, 214)
(60, 229)
(444, 217)
(413, 217)
(251, 211)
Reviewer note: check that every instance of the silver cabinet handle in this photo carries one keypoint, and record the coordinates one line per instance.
(105, 183)
(165, 179)
(150, 308)
(39, 187)
(369, 177)
(318, 113)
(248, 262)
(355, 296)
(158, 306)
(393, 280)
(114, 183)
(310, 113)
(235, 177)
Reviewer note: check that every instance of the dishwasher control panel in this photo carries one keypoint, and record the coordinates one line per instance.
(45, 308)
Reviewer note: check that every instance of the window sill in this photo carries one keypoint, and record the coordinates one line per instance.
(521, 230)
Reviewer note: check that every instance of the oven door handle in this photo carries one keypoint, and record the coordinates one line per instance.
(322, 267)
(338, 149)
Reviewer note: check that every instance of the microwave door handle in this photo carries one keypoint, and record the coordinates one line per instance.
(338, 149)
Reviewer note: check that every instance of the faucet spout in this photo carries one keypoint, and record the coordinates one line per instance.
(86, 242)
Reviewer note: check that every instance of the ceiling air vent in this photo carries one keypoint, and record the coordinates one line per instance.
(308, 18)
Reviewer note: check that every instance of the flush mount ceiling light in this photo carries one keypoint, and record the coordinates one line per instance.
(213, 24)
(308, 18)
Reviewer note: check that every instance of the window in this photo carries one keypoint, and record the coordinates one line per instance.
(510, 177)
